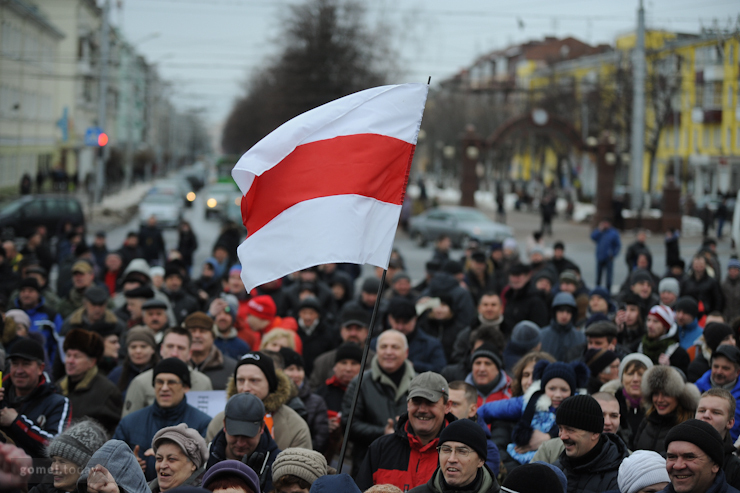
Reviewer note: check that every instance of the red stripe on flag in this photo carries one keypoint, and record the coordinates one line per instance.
(370, 165)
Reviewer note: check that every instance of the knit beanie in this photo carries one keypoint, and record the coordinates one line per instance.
(634, 357)
(532, 478)
(262, 306)
(487, 350)
(349, 350)
(641, 469)
(468, 432)
(600, 292)
(264, 363)
(20, 317)
(524, 337)
(640, 275)
(714, 333)
(669, 284)
(141, 334)
(599, 359)
(582, 412)
(308, 465)
(664, 314)
(290, 358)
(733, 263)
(188, 439)
(688, 305)
(701, 434)
(574, 374)
(558, 472)
(175, 366)
(78, 442)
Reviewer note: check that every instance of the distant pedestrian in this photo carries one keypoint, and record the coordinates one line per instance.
(26, 184)
(721, 216)
(547, 211)
(608, 246)
(40, 179)
(672, 248)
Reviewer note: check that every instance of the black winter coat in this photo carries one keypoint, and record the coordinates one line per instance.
(731, 466)
(462, 302)
(526, 303)
(317, 419)
(601, 473)
(707, 290)
(652, 432)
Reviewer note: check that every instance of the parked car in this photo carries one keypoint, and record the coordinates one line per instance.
(179, 187)
(165, 206)
(21, 217)
(217, 198)
(457, 222)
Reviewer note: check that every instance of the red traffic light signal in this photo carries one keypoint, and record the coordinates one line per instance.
(102, 139)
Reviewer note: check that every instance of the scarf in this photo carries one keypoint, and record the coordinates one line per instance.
(654, 348)
(334, 382)
(634, 402)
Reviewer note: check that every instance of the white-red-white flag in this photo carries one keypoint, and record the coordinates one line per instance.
(328, 185)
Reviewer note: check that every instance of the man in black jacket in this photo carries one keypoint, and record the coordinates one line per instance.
(243, 438)
(31, 413)
(523, 301)
(591, 458)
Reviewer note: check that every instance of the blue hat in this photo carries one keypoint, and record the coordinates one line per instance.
(600, 291)
(232, 468)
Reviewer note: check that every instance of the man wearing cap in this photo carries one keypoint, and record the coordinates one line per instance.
(561, 336)
(487, 375)
(171, 380)
(724, 375)
(353, 329)
(313, 331)
(591, 458)
(255, 373)
(694, 457)
(717, 407)
(224, 314)
(382, 396)
(260, 317)
(608, 246)
(43, 319)
(425, 351)
(522, 299)
(131, 311)
(182, 303)
(94, 309)
(687, 320)
(154, 316)
(51, 299)
(205, 356)
(83, 276)
(175, 344)
(715, 335)
(244, 438)
(559, 261)
(408, 456)
(462, 462)
(31, 413)
(90, 393)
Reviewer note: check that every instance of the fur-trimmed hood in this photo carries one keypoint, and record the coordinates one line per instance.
(543, 402)
(612, 386)
(285, 391)
(668, 380)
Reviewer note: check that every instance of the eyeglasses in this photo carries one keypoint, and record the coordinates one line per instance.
(459, 451)
(170, 383)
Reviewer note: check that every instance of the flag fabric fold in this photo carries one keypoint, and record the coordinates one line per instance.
(327, 186)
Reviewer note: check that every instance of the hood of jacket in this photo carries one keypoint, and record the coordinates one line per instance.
(442, 283)
(543, 402)
(118, 458)
(285, 392)
(379, 376)
(612, 386)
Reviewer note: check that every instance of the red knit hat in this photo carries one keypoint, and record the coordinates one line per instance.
(262, 307)
(664, 314)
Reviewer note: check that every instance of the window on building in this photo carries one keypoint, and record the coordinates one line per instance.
(705, 142)
(717, 137)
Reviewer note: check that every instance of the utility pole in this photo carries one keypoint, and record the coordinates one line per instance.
(637, 147)
(103, 99)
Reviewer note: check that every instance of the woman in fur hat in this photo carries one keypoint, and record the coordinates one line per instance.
(535, 410)
(660, 343)
(670, 401)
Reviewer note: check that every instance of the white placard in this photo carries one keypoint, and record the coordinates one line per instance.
(210, 402)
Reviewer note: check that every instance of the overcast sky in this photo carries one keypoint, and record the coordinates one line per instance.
(207, 48)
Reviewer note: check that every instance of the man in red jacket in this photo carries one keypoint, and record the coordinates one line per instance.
(407, 456)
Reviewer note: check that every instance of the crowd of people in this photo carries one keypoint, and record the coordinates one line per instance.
(499, 371)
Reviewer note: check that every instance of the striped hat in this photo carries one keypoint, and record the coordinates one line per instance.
(664, 314)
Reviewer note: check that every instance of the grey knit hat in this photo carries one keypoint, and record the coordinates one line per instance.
(78, 442)
(308, 465)
(188, 439)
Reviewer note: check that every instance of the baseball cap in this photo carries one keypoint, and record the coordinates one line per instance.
(243, 415)
(355, 315)
(730, 352)
(82, 266)
(27, 349)
(430, 386)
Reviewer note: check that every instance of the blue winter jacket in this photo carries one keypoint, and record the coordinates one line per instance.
(608, 243)
(558, 340)
(705, 383)
(425, 352)
(43, 321)
(688, 334)
(139, 427)
(493, 459)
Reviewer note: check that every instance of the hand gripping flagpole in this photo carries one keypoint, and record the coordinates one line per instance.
(365, 352)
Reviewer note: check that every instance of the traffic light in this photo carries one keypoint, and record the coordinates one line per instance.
(102, 139)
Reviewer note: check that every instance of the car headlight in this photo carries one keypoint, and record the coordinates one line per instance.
(212, 203)
(190, 196)
(476, 230)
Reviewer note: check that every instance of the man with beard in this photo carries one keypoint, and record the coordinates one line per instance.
(407, 455)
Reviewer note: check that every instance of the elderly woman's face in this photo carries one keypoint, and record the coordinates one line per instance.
(173, 466)
(65, 473)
